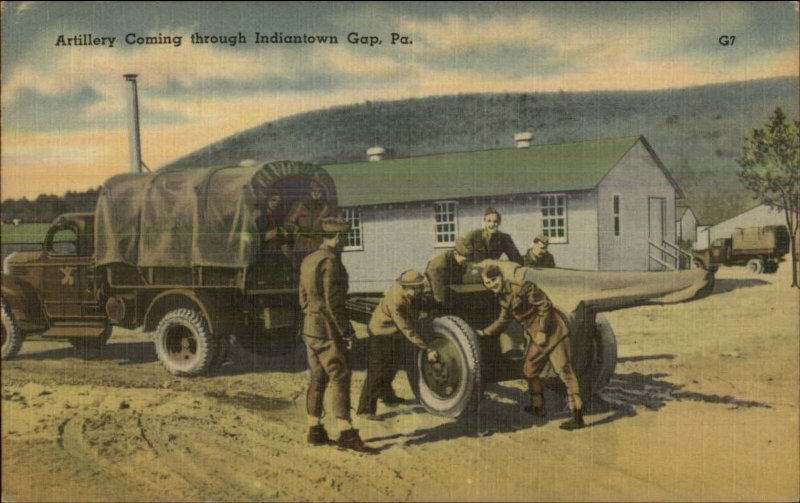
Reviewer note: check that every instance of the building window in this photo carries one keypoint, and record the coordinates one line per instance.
(554, 217)
(616, 215)
(445, 218)
(353, 239)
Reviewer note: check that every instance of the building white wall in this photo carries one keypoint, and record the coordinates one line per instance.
(759, 216)
(686, 227)
(635, 179)
(401, 236)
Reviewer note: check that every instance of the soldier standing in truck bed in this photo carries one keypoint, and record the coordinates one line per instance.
(394, 320)
(489, 242)
(328, 333)
(303, 221)
(537, 255)
(547, 330)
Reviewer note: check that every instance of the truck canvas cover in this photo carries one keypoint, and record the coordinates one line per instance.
(198, 217)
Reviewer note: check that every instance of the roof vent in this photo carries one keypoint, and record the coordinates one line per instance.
(523, 139)
(375, 154)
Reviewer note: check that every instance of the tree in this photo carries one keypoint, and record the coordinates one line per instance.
(770, 162)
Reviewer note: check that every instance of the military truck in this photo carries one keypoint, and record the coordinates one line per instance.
(759, 248)
(453, 385)
(174, 252)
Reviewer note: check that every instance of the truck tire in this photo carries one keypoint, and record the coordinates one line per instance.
(755, 265)
(184, 343)
(604, 357)
(451, 387)
(771, 267)
(87, 346)
(11, 334)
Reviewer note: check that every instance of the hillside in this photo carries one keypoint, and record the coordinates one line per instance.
(697, 131)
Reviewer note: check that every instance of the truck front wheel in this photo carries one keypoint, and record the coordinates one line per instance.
(755, 265)
(184, 343)
(11, 334)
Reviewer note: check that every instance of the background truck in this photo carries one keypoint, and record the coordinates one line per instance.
(174, 252)
(760, 248)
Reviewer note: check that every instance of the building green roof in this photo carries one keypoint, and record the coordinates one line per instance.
(539, 168)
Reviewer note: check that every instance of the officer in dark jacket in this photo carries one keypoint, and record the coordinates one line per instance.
(489, 242)
(327, 333)
(537, 255)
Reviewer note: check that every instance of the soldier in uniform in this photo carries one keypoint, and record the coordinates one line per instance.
(276, 238)
(395, 318)
(548, 335)
(489, 242)
(304, 220)
(328, 333)
(448, 268)
(537, 255)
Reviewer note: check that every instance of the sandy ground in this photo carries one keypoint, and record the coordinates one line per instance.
(703, 407)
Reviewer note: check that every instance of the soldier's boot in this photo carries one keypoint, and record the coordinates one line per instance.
(576, 422)
(350, 439)
(536, 406)
(318, 436)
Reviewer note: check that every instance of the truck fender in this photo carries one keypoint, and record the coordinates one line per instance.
(170, 300)
(24, 301)
(211, 307)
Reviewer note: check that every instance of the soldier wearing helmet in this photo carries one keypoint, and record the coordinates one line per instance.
(448, 268)
(327, 333)
(537, 255)
(395, 318)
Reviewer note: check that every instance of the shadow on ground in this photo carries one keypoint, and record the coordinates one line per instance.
(728, 285)
(500, 411)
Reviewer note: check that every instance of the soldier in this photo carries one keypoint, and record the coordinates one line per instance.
(489, 242)
(327, 333)
(276, 238)
(304, 220)
(548, 335)
(537, 255)
(395, 317)
(448, 268)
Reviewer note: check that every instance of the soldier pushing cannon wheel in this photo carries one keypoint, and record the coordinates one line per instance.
(453, 385)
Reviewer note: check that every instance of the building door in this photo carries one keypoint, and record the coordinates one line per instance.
(657, 230)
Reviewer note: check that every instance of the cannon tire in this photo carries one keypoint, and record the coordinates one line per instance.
(459, 349)
(12, 335)
(604, 358)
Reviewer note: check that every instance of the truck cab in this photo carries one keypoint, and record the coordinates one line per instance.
(54, 290)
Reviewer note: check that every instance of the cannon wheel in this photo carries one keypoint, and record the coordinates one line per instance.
(452, 386)
(604, 357)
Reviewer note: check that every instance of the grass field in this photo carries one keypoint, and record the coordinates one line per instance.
(23, 233)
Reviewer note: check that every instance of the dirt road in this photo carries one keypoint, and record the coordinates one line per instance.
(703, 407)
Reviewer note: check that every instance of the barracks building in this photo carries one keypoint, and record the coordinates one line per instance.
(606, 205)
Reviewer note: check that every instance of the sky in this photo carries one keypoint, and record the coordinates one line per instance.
(64, 107)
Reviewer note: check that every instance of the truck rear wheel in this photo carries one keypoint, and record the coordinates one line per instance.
(452, 386)
(11, 334)
(184, 343)
(755, 265)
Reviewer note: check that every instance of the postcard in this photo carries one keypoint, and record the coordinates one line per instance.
(406, 251)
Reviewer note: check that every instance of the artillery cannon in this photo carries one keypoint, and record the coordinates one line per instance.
(453, 385)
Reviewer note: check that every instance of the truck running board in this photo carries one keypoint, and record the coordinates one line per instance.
(75, 331)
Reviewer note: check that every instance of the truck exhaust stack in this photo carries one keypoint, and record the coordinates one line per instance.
(134, 143)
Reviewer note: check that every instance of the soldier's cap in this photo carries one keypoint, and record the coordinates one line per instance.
(464, 247)
(333, 225)
(411, 278)
(541, 238)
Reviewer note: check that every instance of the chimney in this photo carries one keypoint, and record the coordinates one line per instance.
(134, 143)
(375, 154)
(523, 139)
